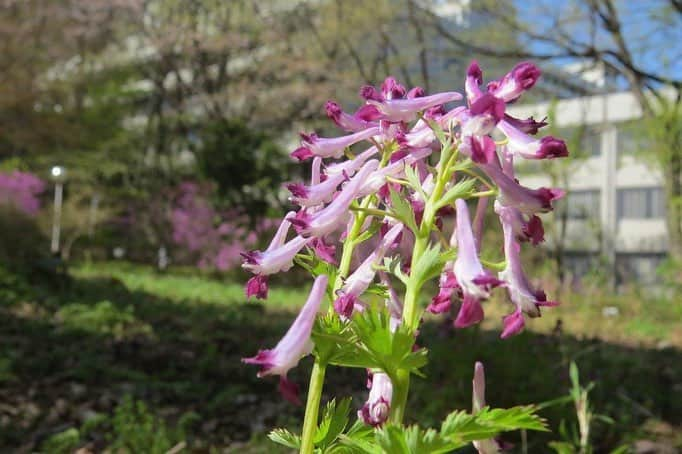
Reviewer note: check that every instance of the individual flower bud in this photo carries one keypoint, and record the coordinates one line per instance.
(473, 81)
(489, 446)
(345, 121)
(312, 145)
(527, 299)
(376, 410)
(334, 215)
(513, 84)
(474, 281)
(295, 344)
(279, 256)
(526, 146)
(257, 286)
(406, 109)
(356, 284)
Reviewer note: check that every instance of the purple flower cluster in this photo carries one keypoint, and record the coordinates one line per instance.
(215, 239)
(22, 191)
(404, 130)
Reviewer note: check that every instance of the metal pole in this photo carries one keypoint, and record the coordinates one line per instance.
(94, 204)
(56, 221)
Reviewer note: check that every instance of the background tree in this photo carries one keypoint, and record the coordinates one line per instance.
(630, 40)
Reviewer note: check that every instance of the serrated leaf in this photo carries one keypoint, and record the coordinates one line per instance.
(394, 266)
(462, 189)
(388, 350)
(285, 438)
(412, 440)
(462, 427)
(428, 265)
(402, 210)
(334, 421)
(415, 181)
(360, 439)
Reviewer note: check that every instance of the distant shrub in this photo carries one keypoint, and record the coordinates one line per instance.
(136, 429)
(103, 318)
(62, 443)
(21, 190)
(207, 237)
(22, 244)
(13, 287)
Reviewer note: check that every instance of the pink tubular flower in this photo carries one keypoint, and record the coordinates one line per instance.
(489, 446)
(474, 281)
(526, 299)
(350, 166)
(473, 81)
(377, 179)
(356, 284)
(376, 410)
(530, 230)
(345, 121)
(483, 115)
(514, 83)
(323, 250)
(312, 145)
(481, 149)
(279, 255)
(335, 214)
(528, 201)
(530, 148)
(296, 342)
(406, 109)
(447, 288)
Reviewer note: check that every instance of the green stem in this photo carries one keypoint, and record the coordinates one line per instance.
(401, 386)
(312, 407)
(410, 306)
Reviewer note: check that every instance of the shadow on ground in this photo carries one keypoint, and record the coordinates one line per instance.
(54, 375)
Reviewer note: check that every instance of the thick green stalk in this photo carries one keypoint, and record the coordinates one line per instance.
(401, 383)
(312, 407)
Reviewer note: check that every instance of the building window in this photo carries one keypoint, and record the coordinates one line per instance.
(583, 204)
(627, 145)
(641, 203)
(591, 142)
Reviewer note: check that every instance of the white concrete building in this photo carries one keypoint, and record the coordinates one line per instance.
(615, 202)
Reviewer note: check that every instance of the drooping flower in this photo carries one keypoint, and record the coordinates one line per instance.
(274, 260)
(447, 288)
(356, 284)
(528, 201)
(474, 281)
(376, 410)
(514, 83)
(257, 286)
(279, 256)
(406, 109)
(527, 299)
(296, 342)
(346, 121)
(528, 147)
(312, 145)
(334, 215)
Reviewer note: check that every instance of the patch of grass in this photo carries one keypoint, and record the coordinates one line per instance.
(182, 287)
(103, 318)
(202, 328)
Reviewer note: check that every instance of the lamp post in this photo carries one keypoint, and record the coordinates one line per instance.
(58, 174)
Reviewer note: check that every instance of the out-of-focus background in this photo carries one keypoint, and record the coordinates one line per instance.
(144, 144)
